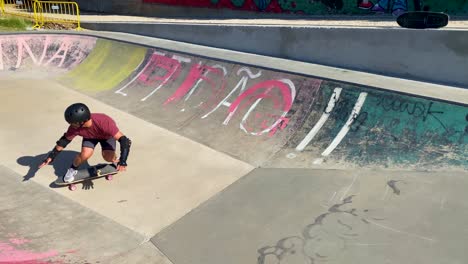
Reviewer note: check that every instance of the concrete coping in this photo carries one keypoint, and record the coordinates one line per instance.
(450, 94)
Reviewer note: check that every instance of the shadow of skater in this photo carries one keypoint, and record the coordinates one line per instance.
(87, 185)
(60, 164)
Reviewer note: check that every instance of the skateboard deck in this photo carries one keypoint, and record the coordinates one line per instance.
(422, 19)
(91, 173)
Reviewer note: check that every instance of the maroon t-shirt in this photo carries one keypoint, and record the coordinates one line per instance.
(103, 127)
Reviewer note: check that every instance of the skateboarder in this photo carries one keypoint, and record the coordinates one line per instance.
(94, 128)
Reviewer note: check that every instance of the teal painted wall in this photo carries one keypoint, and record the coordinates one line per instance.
(319, 7)
(397, 129)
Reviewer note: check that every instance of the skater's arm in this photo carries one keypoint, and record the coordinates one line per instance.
(125, 144)
(61, 144)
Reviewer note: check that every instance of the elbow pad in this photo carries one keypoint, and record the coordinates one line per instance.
(125, 144)
(63, 141)
(52, 155)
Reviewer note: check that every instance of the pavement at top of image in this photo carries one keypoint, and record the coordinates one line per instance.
(315, 21)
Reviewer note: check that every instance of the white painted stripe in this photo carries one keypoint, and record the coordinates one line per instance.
(314, 131)
(344, 130)
(241, 84)
(159, 87)
(163, 82)
(192, 90)
(244, 119)
(224, 101)
(136, 77)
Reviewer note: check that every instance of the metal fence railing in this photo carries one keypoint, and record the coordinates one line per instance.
(43, 11)
(21, 8)
(57, 12)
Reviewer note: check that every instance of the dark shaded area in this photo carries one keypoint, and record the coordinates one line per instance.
(60, 165)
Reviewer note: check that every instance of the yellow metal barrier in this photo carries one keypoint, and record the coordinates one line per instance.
(22, 8)
(56, 12)
(43, 11)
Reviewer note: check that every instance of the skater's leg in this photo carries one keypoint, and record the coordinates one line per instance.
(108, 150)
(87, 150)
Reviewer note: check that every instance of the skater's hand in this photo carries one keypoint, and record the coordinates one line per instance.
(46, 162)
(121, 168)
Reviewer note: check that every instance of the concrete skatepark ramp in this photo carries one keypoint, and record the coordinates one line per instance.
(231, 162)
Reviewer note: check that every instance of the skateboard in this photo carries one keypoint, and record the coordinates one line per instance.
(97, 171)
(423, 19)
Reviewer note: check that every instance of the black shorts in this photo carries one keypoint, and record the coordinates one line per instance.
(106, 144)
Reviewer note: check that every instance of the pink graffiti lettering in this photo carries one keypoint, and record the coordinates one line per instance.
(253, 97)
(280, 122)
(242, 85)
(197, 74)
(1, 55)
(22, 44)
(280, 125)
(149, 77)
(14, 50)
(263, 88)
(63, 49)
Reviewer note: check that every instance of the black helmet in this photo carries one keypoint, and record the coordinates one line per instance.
(77, 113)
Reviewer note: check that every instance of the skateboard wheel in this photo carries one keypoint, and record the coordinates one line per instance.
(72, 187)
(109, 177)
